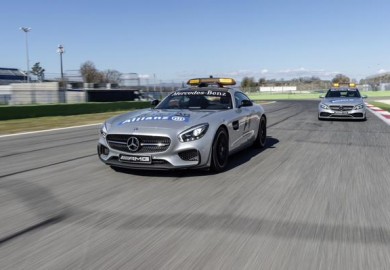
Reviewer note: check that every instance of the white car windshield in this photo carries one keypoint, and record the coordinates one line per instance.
(352, 93)
(197, 100)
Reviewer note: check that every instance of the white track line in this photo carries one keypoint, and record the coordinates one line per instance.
(381, 114)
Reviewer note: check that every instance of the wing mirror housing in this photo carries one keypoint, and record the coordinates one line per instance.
(155, 102)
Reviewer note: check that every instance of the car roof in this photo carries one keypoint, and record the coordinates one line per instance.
(343, 89)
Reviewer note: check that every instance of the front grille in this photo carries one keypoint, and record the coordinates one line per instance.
(341, 107)
(148, 144)
(189, 155)
(341, 115)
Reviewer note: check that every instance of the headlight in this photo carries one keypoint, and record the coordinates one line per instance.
(104, 129)
(194, 133)
(358, 107)
(324, 106)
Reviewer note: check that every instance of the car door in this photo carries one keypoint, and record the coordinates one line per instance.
(241, 124)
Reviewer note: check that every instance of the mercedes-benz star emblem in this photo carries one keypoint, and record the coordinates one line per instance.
(133, 144)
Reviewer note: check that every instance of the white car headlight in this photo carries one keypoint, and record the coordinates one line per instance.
(104, 129)
(324, 106)
(358, 107)
(194, 133)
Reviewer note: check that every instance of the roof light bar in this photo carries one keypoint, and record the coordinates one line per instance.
(344, 84)
(220, 81)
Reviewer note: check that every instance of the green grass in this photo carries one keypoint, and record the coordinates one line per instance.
(267, 96)
(383, 106)
(49, 122)
(44, 110)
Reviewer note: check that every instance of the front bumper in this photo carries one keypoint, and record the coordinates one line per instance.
(349, 114)
(194, 154)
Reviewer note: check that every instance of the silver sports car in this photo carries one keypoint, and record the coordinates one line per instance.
(342, 103)
(194, 127)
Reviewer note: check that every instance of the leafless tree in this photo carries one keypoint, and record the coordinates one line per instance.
(341, 78)
(90, 74)
(111, 76)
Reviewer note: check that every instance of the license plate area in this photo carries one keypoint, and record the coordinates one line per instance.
(341, 112)
(135, 159)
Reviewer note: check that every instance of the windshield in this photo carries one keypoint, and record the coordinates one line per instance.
(334, 93)
(197, 100)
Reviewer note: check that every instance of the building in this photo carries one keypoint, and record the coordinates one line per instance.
(11, 75)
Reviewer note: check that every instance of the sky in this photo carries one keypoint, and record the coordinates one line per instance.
(174, 40)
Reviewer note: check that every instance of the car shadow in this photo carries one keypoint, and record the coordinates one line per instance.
(42, 208)
(247, 154)
(52, 211)
(235, 160)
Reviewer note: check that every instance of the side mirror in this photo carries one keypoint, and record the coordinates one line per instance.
(155, 102)
(322, 96)
(246, 103)
(364, 96)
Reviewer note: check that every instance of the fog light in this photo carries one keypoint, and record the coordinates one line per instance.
(103, 150)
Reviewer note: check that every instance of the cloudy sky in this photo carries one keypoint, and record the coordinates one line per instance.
(174, 40)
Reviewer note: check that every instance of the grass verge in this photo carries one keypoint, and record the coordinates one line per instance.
(50, 122)
(383, 106)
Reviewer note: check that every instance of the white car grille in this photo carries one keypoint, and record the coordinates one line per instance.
(341, 107)
(147, 144)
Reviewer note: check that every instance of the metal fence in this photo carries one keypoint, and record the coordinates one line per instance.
(5, 99)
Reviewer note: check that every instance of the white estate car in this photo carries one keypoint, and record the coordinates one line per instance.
(342, 102)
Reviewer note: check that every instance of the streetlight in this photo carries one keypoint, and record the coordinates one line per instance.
(26, 30)
(61, 50)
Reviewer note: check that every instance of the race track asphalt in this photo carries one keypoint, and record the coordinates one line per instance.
(317, 197)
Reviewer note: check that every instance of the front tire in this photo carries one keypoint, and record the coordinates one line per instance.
(220, 151)
(261, 133)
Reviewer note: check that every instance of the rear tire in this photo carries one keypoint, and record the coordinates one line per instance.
(261, 133)
(220, 151)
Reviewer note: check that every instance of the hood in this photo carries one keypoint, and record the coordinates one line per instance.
(342, 101)
(152, 120)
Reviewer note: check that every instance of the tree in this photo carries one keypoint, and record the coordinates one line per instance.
(248, 82)
(90, 74)
(340, 78)
(111, 76)
(262, 81)
(38, 71)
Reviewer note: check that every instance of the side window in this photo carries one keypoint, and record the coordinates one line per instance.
(239, 97)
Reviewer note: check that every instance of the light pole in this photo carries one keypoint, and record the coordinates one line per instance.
(61, 50)
(26, 30)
